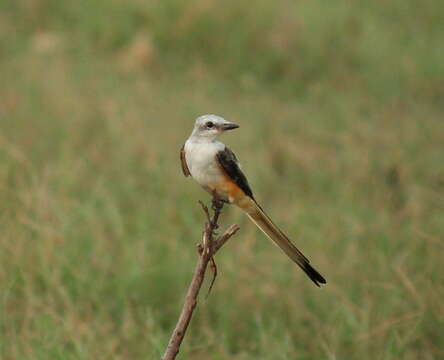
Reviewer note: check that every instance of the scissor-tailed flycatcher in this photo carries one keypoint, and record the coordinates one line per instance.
(215, 167)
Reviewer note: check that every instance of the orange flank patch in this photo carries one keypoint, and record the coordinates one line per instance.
(228, 189)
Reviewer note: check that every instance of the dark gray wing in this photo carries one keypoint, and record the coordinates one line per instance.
(229, 164)
(183, 162)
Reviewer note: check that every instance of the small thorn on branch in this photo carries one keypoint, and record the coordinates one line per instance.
(205, 209)
(213, 268)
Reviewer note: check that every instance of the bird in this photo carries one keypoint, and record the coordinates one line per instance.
(217, 170)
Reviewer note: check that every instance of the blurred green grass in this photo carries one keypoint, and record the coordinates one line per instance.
(340, 104)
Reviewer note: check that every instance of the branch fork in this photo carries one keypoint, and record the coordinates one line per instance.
(206, 249)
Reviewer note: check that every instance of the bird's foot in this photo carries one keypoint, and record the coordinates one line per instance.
(217, 204)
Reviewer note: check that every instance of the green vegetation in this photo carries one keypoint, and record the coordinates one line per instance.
(342, 136)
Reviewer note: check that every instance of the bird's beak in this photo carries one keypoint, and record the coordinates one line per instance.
(229, 126)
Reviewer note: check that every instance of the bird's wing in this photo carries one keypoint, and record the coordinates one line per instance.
(230, 166)
(183, 162)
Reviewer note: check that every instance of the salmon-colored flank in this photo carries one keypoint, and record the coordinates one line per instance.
(228, 188)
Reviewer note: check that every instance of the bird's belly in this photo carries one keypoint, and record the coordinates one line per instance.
(206, 174)
(204, 168)
(212, 179)
(222, 187)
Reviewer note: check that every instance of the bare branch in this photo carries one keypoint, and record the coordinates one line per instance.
(207, 249)
(205, 209)
(225, 237)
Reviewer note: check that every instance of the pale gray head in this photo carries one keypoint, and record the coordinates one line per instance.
(209, 127)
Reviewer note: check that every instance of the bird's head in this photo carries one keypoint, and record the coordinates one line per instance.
(211, 126)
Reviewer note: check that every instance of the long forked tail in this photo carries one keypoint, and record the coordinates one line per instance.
(263, 222)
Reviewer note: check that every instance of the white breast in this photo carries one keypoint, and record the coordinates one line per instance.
(201, 161)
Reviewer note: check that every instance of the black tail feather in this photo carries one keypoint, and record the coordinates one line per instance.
(314, 275)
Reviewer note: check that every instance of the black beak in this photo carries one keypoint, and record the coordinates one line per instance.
(229, 126)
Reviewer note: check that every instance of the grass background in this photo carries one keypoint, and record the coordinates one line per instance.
(341, 104)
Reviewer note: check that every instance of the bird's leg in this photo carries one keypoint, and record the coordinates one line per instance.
(217, 203)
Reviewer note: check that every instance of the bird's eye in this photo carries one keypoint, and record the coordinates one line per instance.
(210, 125)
